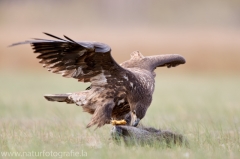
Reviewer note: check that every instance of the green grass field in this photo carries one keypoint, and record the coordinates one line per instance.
(205, 108)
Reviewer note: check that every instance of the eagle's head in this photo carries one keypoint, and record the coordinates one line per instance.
(137, 113)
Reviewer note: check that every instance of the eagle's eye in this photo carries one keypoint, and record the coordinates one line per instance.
(134, 111)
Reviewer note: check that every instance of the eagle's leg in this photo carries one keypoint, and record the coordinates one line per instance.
(102, 114)
(118, 122)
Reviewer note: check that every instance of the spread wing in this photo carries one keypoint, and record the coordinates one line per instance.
(85, 61)
(152, 62)
(169, 60)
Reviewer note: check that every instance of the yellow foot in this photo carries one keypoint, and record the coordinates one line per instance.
(118, 122)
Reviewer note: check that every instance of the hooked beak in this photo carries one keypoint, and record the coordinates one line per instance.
(134, 120)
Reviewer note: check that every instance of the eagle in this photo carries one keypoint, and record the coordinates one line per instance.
(117, 91)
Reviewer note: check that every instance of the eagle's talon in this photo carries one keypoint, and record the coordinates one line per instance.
(118, 122)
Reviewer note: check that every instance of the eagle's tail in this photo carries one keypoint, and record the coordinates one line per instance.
(59, 97)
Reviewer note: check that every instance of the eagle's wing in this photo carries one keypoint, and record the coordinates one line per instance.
(152, 62)
(169, 60)
(85, 61)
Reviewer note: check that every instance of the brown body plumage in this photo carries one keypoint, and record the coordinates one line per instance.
(117, 91)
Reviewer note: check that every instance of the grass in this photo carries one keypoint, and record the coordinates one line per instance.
(205, 108)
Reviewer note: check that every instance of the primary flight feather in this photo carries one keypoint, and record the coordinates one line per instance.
(117, 91)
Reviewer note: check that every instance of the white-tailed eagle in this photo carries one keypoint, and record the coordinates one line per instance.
(117, 91)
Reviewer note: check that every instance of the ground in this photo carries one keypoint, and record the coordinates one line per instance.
(203, 107)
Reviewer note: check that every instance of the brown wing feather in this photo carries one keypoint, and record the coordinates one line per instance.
(151, 62)
(80, 60)
(169, 60)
